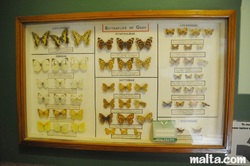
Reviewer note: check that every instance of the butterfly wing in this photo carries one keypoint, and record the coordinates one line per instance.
(145, 64)
(167, 104)
(129, 63)
(104, 119)
(56, 40)
(120, 43)
(140, 43)
(120, 118)
(64, 36)
(77, 37)
(86, 37)
(65, 128)
(140, 119)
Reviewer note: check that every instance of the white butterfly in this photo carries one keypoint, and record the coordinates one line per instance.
(201, 90)
(60, 98)
(77, 84)
(76, 99)
(201, 62)
(43, 99)
(56, 65)
(44, 65)
(76, 65)
(42, 84)
(60, 83)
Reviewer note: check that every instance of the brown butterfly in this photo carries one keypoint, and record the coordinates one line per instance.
(42, 113)
(107, 104)
(122, 103)
(188, 47)
(122, 64)
(110, 131)
(101, 43)
(105, 87)
(148, 118)
(147, 44)
(122, 119)
(124, 131)
(140, 64)
(179, 104)
(109, 65)
(169, 31)
(140, 103)
(195, 32)
(123, 87)
(137, 133)
(43, 39)
(62, 39)
(208, 31)
(127, 44)
(174, 47)
(182, 31)
(143, 88)
(104, 119)
(60, 114)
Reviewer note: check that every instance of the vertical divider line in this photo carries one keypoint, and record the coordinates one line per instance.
(157, 54)
(95, 78)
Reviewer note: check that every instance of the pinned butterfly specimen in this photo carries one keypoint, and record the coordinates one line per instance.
(176, 90)
(78, 128)
(167, 104)
(198, 76)
(174, 62)
(169, 31)
(43, 39)
(182, 31)
(139, 104)
(174, 46)
(202, 62)
(109, 65)
(42, 84)
(76, 99)
(76, 115)
(62, 39)
(77, 84)
(125, 44)
(124, 131)
(126, 103)
(147, 44)
(180, 130)
(201, 90)
(56, 65)
(106, 87)
(110, 131)
(143, 88)
(41, 127)
(123, 87)
(189, 62)
(193, 103)
(78, 38)
(43, 99)
(177, 77)
(195, 32)
(188, 76)
(140, 64)
(77, 65)
(43, 113)
(204, 104)
(122, 64)
(101, 43)
(60, 98)
(60, 114)
(188, 47)
(122, 119)
(141, 119)
(64, 128)
(208, 31)
(41, 66)
(107, 118)
(188, 90)
(200, 47)
(110, 104)
(197, 130)
(60, 83)
(137, 133)
(179, 104)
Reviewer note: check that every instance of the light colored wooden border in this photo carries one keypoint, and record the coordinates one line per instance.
(229, 15)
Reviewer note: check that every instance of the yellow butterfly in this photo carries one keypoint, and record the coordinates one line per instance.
(76, 115)
(179, 104)
(77, 84)
(41, 66)
(60, 83)
(195, 32)
(208, 31)
(82, 64)
(174, 47)
(60, 114)
(140, 103)
(62, 39)
(109, 64)
(122, 119)
(107, 119)
(60, 98)
(101, 43)
(41, 127)
(137, 133)
(105, 87)
(76, 99)
(43, 39)
(123, 87)
(110, 104)
(140, 64)
(78, 127)
(110, 131)
(122, 44)
(147, 44)
(124, 131)
(61, 128)
(42, 84)
(188, 47)
(56, 65)
(189, 90)
(43, 99)
(43, 113)
(148, 118)
(187, 61)
(174, 62)
(122, 103)
(169, 31)
(78, 38)
(122, 64)
(143, 88)
(182, 31)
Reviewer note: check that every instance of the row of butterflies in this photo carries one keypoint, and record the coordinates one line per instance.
(194, 130)
(122, 103)
(178, 104)
(192, 31)
(123, 131)
(186, 46)
(198, 90)
(62, 114)
(125, 87)
(59, 83)
(75, 99)
(188, 61)
(188, 76)
(85, 38)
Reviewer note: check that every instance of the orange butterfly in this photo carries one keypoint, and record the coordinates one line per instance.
(122, 119)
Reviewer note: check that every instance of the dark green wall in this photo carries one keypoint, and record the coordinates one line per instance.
(11, 151)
